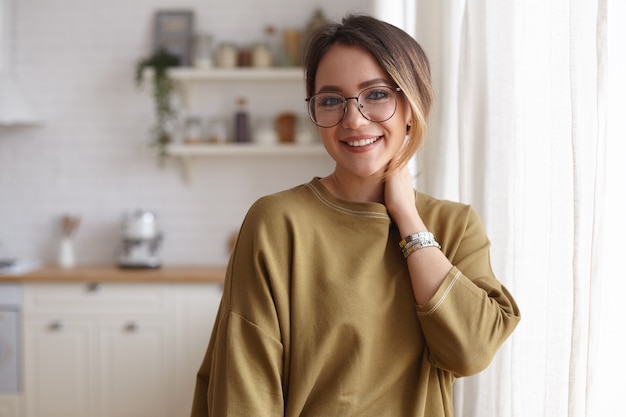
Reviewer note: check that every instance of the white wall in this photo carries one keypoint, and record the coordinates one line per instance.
(75, 60)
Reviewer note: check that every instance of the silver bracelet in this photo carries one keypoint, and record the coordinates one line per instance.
(417, 241)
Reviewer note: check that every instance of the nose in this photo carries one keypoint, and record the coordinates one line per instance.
(353, 118)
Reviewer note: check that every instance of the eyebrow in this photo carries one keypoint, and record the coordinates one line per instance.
(365, 84)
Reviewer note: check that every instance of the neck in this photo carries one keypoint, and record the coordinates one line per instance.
(350, 188)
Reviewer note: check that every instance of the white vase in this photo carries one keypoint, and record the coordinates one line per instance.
(67, 257)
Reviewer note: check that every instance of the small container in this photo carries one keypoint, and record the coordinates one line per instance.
(304, 132)
(67, 258)
(66, 255)
(286, 127)
(271, 38)
(261, 56)
(218, 130)
(242, 122)
(264, 133)
(193, 130)
(291, 40)
(203, 51)
(227, 56)
(244, 57)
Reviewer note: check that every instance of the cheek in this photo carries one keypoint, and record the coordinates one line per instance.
(326, 134)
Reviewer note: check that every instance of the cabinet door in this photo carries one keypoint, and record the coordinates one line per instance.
(95, 298)
(136, 368)
(58, 362)
(196, 307)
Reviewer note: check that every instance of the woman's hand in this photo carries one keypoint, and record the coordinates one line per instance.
(400, 201)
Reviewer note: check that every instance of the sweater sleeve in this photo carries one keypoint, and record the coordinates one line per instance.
(242, 371)
(472, 313)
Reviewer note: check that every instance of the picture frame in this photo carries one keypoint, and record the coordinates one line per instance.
(173, 31)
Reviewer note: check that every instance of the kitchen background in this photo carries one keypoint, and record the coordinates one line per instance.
(89, 156)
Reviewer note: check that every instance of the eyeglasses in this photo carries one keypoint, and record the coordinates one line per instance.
(376, 104)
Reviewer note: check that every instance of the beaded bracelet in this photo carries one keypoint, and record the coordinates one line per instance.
(416, 241)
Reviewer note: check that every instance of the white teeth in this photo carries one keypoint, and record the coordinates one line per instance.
(362, 142)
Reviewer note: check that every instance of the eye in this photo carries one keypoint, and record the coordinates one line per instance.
(329, 100)
(377, 94)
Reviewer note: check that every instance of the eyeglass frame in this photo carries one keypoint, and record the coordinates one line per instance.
(359, 105)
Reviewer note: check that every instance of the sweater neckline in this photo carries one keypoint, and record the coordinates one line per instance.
(355, 208)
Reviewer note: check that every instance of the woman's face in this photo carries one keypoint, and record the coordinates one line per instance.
(359, 147)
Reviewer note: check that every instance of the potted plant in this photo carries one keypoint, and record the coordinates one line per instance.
(162, 88)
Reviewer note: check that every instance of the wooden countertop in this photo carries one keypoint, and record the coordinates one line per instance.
(112, 273)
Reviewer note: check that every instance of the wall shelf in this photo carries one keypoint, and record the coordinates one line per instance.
(244, 149)
(188, 80)
(186, 152)
(187, 74)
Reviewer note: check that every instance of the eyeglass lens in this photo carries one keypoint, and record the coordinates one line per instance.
(376, 104)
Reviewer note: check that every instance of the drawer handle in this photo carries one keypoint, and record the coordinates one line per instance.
(132, 326)
(56, 326)
(94, 287)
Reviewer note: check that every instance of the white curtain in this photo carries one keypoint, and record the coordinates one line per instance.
(529, 127)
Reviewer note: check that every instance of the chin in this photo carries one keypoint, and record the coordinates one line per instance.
(373, 172)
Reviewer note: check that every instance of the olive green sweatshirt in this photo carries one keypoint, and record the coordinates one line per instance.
(318, 316)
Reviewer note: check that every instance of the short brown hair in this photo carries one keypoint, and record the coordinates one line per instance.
(397, 53)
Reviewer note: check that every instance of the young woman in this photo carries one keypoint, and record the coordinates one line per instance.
(354, 295)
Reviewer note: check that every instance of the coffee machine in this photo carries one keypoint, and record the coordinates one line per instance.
(141, 241)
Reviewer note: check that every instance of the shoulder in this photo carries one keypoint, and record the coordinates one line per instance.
(441, 208)
(447, 214)
(281, 202)
(280, 208)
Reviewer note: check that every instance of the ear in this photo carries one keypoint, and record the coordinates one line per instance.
(408, 115)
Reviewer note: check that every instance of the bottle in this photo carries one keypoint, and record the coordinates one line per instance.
(242, 122)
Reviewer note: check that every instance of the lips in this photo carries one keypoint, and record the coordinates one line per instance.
(362, 142)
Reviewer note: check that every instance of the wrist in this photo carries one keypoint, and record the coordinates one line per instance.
(416, 241)
(411, 225)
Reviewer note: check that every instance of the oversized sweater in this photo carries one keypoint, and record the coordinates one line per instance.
(318, 316)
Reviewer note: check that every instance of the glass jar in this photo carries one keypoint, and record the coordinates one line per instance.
(261, 56)
(193, 130)
(218, 130)
(227, 56)
(203, 51)
(265, 133)
(305, 133)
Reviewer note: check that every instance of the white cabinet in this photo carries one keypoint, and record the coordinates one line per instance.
(114, 350)
(196, 308)
(59, 360)
(136, 362)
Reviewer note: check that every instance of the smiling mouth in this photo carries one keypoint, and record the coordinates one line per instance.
(363, 142)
